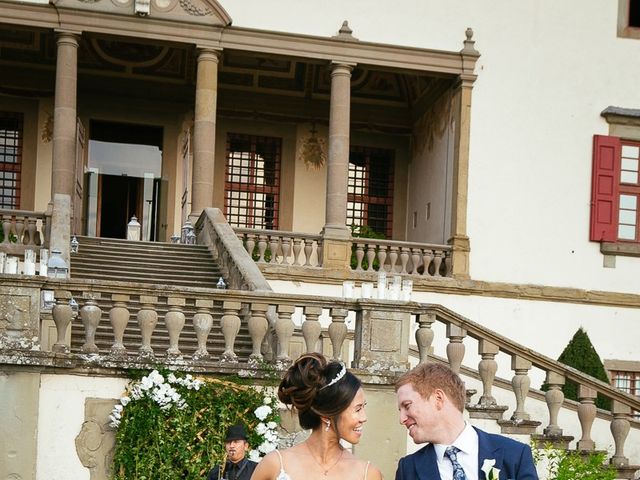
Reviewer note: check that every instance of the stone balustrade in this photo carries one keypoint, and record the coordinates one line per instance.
(23, 230)
(148, 325)
(282, 248)
(490, 344)
(407, 258)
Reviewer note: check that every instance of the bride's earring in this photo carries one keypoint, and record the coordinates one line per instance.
(327, 425)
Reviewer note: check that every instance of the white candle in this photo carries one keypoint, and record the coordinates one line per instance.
(347, 289)
(29, 262)
(367, 290)
(11, 265)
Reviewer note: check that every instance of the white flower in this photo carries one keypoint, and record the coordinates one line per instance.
(125, 400)
(490, 472)
(266, 447)
(261, 429)
(267, 400)
(172, 378)
(272, 425)
(262, 412)
(254, 456)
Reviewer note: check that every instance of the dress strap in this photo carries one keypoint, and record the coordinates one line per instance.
(281, 464)
(366, 470)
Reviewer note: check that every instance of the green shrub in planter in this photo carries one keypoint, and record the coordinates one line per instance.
(171, 425)
(572, 465)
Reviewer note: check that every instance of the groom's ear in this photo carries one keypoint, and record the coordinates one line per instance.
(439, 397)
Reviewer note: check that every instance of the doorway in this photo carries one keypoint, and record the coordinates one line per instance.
(123, 179)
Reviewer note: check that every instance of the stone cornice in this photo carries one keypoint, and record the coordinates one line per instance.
(399, 58)
(453, 286)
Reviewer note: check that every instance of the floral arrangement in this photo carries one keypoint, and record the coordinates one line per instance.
(171, 425)
(490, 472)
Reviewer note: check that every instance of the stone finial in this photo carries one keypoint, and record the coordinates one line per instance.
(469, 43)
(345, 32)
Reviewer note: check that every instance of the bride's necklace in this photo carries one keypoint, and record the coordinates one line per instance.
(325, 470)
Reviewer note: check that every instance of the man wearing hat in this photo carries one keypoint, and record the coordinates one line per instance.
(237, 467)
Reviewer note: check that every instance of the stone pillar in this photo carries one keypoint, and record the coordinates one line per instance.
(462, 117)
(204, 132)
(337, 245)
(64, 115)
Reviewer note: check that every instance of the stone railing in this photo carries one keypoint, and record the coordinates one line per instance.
(282, 248)
(23, 230)
(147, 325)
(490, 345)
(418, 259)
(238, 268)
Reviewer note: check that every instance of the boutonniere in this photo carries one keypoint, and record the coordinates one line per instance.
(490, 472)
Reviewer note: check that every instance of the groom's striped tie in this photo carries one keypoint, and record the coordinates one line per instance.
(452, 454)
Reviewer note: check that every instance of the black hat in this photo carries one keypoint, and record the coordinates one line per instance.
(236, 432)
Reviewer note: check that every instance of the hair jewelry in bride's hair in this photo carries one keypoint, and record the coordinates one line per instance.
(337, 378)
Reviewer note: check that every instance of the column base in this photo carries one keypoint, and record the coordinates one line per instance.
(336, 254)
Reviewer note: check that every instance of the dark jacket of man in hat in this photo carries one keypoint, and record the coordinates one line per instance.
(237, 467)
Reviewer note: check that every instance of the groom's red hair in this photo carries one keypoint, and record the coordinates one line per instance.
(427, 377)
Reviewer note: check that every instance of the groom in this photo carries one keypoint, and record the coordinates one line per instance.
(431, 399)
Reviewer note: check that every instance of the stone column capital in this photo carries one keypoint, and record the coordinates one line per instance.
(209, 54)
(341, 68)
(68, 37)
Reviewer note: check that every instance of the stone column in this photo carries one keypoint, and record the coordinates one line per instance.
(462, 117)
(204, 132)
(337, 247)
(64, 115)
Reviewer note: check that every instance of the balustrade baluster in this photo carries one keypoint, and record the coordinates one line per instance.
(520, 384)
(338, 331)
(297, 246)
(425, 334)
(19, 228)
(359, 255)
(274, 243)
(250, 243)
(554, 398)
(286, 250)
(586, 414)
(174, 321)
(119, 317)
(371, 255)
(30, 236)
(284, 332)
(427, 258)
(258, 326)
(319, 251)
(447, 264)
(455, 348)
(262, 247)
(382, 257)
(393, 258)
(311, 328)
(147, 320)
(308, 249)
(230, 324)
(487, 369)
(416, 255)
(437, 261)
(404, 259)
(620, 426)
(6, 229)
(62, 317)
(90, 314)
(202, 323)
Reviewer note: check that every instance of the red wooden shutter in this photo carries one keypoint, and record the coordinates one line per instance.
(604, 188)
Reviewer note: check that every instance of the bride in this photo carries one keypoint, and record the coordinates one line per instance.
(329, 401)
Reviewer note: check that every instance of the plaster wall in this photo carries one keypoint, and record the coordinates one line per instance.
(542, 83)
(61, 414)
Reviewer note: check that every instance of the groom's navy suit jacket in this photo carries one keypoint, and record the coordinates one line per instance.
(513, 458)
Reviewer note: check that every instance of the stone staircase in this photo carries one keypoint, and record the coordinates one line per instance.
(139, 265)
(144, 262)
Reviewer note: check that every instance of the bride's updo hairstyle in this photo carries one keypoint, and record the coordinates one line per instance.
(316, 387)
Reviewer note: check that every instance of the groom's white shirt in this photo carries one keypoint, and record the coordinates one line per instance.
(467, 442)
